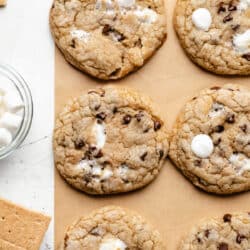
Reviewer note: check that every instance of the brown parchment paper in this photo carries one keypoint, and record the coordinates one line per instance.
(171, 202)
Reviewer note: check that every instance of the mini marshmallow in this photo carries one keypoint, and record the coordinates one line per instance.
(202, 146)
(80, 34)
(5, 137)
(126, 3)
(10, 121)
(112, 244)
(242, 42)
(241, 162)
(244, 4)
(202, 19)
(96, 170)
(13, 102)
(107, 173)
(100, 134)
(146, 15)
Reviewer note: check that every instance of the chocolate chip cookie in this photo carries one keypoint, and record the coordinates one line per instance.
(112, 228)
(109, 140)
(215, 34)
(210, 142)
(108, 38)
(229, 232)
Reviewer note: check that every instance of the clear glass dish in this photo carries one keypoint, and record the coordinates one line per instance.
(11, 76)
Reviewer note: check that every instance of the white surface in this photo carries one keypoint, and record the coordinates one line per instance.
(26, 177)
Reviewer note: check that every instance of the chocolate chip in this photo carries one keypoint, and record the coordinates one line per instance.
(146, 130)
(199, 239)
(230, 118)
(126, 119)
(219, 129)
(115, 72)
(139, 116)
(157, 125)
(92, 148)
(93, 91)
(239, 238)
(101, 116)
(227, 18)
(223, 246)
(215, 88)
(197, 163)
(115, 109)
(217, 142)
(106, 29)
(161, 153)
(232, 7)
(73, 44)
(243, 128)
(79, 143)
(207, 232)
(246, 56)
(144, 156)
(97, 107)
(235, 27)
(94, 231)
(227, 218)
(99, 154)
(221, 8)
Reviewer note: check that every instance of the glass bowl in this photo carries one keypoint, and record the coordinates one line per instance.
(12, 77)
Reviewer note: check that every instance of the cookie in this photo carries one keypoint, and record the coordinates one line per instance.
(112, 228)
(3, 3)
(109, 140)
(215, 34)
(20, 227)
(229, 232)
(210, 141)
(108, 38)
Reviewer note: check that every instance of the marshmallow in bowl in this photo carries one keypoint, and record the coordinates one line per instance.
(11, 115)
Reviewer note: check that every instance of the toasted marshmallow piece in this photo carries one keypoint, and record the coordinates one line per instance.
(100, 134)
(112, 244)
(202, 146)
(5, 137)
(126, 3)
(244, 4)
(10, 121)
(146, 15)
(202, 19)
(242, 42)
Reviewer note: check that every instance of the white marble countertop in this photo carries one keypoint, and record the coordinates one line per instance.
(27, 176)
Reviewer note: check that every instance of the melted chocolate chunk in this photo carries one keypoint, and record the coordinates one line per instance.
(197, 163)
(232, 7)
(243, 128)
(99, 154)
(101, 116)
(221, 8)
(227, 18)
(126, 119)
(79, 143)
(239, 238)
(219, 129)
(235, 27)
(230, 118)
(143, 157)
(73, 44)
(161, 153)
(223, 246)
(227, 218)
(106, 29)
(246, 56)
(157, 125)
(207, 232)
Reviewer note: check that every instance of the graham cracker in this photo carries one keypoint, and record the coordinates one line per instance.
(22, 227)
(5, 245)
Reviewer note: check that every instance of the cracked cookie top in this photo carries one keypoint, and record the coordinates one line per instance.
(210, 142)
(109, 140)
(215, 34)
(108, 38)
(112, 228)
(229, 232)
